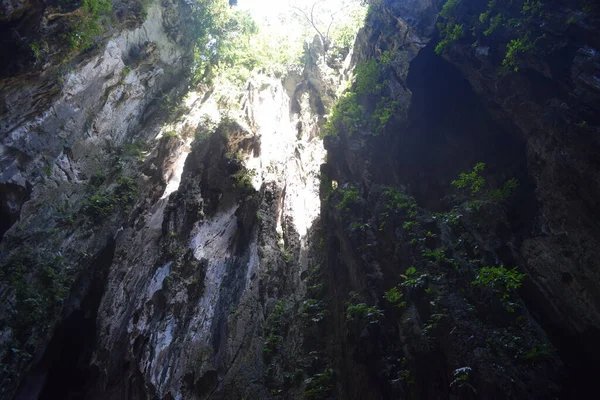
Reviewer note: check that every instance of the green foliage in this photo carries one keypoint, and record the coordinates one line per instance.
(532, 7)
(506, 192)
(315, 287)
(87, 24)
(518, 21)
(319, 386)
(495, 22)
(358, 312)
(437, 255)
(386, 57)
(432, 323)
(368, 76)
(99, 206)
(40, 50)
(394, 296)
(383, 112)
(346, 116)
(502, 281)
(472, 181)
(97, 7)
(515, 49)
(409, 225)
(313, 310)
(449, 8)
(102, 205)
(243, 179)
(286, 254)
(536, 352)
(449, 33)
(411, 279)
(230, 46)
(35, 284)
(349, 116)
(272, 343)
(461, 378)
(172, 133)
(273, 328)
(350, 196)
(125, 191)
(399, 202)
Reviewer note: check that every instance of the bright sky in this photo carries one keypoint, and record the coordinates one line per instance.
(270, 10)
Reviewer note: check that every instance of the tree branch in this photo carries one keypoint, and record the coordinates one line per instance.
(332, 16)
(311, 18)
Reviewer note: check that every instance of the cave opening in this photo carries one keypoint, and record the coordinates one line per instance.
(12, 198)
(64, 370)
(449, 131)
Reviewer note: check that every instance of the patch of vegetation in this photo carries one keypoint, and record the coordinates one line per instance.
(515, 49)
(449, 8)
(394, 296)
(102, 205)
(349, 197)
(319, 386)
(315, 287)
(537, 352)
(346, 116)
(172, 133)
(35, 285)
(502, 281)
(516, 22)
(461, 377)
(412, 279)
(384, 111)
(471, 181)
(357, 311)
(313, 310)
(368, 78)
(436, 255)
(273, 328)
(87, 23)
(432, 323)
(398, 202)
(472, 184)
(286, 254)
(243, 179)
(449, 33)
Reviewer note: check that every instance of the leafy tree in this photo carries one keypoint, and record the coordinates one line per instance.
(502, 281)
(331, 19)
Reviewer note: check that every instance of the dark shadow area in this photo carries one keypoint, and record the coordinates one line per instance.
(16, 39)
(449, 131)
(64, 370)
(579, 358)
(12, 198)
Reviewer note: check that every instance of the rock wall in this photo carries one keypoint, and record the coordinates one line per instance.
(153, 250)
(395, 223)
(137, 266)
(70, 161)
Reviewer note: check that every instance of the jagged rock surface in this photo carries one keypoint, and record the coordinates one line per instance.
(195, 266)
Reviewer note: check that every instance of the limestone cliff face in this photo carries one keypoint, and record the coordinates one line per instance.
(69, 156)
(185, 312)
(455, 110)
(153, 249)
(136, 267)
